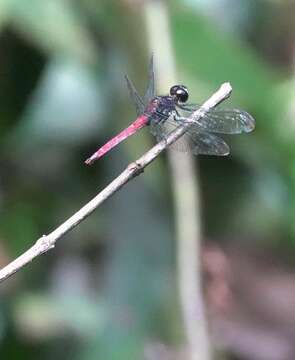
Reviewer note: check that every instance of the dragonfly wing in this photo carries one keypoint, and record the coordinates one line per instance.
(205, 143)
(224, 121)
(150, 91)
(193, 141)
(161, 129)
(137, 100)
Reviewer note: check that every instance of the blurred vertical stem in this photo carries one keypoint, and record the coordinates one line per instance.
(185, 191)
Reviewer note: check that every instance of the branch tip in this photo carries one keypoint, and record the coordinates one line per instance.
(226, 88)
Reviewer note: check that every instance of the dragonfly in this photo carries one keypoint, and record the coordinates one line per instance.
(165, 113)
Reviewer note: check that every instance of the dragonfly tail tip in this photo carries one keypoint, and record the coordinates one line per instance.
(89, 161)
(92, 158)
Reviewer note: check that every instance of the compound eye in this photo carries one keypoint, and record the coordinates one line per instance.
(179, 93)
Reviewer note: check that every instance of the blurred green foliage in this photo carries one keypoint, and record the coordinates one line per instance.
(109, 287)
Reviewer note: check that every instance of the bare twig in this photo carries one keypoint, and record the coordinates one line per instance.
(47, 242)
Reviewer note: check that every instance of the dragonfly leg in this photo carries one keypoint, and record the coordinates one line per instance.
(162, 121)
(180, 119)
(184, 120)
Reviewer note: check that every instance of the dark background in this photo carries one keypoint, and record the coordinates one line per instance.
(108, 289)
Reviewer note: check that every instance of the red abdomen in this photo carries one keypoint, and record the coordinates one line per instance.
(139, 123)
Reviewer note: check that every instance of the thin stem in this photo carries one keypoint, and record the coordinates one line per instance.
(184, 180)
(47, 242)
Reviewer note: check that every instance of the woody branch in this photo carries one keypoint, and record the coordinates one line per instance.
(47, 242)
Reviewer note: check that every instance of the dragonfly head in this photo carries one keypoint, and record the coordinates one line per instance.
(179, 93)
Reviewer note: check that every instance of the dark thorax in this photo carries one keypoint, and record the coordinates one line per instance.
(160, 108)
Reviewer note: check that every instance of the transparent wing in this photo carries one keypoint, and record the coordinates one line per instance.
(150, 91)
(192, 141)
(137, 100)
(224, 121)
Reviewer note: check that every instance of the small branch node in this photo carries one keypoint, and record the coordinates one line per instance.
(45, 243)
(136, 168)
